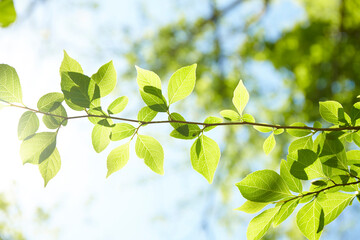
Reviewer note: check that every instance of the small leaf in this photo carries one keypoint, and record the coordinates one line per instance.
(251, 207)
(248, 118)
(263, 186)
(331, 111)
(7, 13)
(53, 122)
(269, 144)
(121, 131)
(146, 114)
(150, 90)
(50, 101)
(285, 211)
(100, 137)
(355, 113)
(230, 115)
(118, 105)
(97, 112)
(212, 120)
(334, 204)
(117, 158)
(260, 224)
(28, 125)
(298, 132)
(181, 83)
(305, 165)
(263, 129)
(333, 153)
(50, 167)
(149, 149)
(183, 130)
(310, 220)
(105, 78)
(241, 97)
(10, 89)
(278, 131)
(317, 124)
(38, 147)
(69, 64)
(205, 155)
(293, 183)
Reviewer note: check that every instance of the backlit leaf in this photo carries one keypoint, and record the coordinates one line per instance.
(121, 131)
(331, 111)
(260, 224)
(263, 129)
(69, 64)
(298, 132)
(251, 207)
(149, 149)
(10, 89)
(118, 105)
(285, 211)
(53, 122)
(28, 125)
(183, 130)
(117, 158)
(50, 101)
(100, 137)
(38, 147)
(305, 165)
(248, 118)
(7, 13)
(50, 167)
(269, 144)
(105, 78)
(310, 220)
(241, 97)
(146, 114)
(334, 204)
(293, 183)
(212, 120)
(181, 83)
(230, 115)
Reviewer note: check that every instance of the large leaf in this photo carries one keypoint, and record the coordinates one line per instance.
(331, 111)
(285, 211)
(117, 158)
(7, 13)
(183, 130)
(355, 113)
(263, 186)
(149, 149)
(50, 167)
(10, 89)
(181, 83)
(333, 153)
(293, 183)
(205, 155)
(118, 105)
(53, 122)
(50, 101)
(310, 220)
(28, 125)
(251, 207)
(305, 165)
(241, 97)
(105, 78)
(100, 137)
(150, 90)
(38, 147)
(334, 203)
(259, 225)
(121, 131)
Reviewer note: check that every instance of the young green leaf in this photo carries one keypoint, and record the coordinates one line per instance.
(118, 105)
(205, 155)
(211, 120)
(146, 114)
(105, 78)
(285, 211)
(331, 111)
(97, 112)
(181, 83)
(278, 131)
(150, 90)
(38, 147)
(263, 129)
(305, 165)
(334, 204)
(260, 224)
(69, 64)
(121, 131)
(310, 220)
(100, 137)
(149, 149)
(241, 97)
(50, 101)
(7, 13)
(298, 132)
(183, 130)
(50, 167)
(251, 207)
(117, 158)
(293, 183)
(301, 143)
(263, 186)
(230, 115)
(248, 118)
(28, 125)
(53, 122)
(269, 144)
(10, 89)
(333, 153)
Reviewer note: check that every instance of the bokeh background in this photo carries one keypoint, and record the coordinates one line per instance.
(291, 54)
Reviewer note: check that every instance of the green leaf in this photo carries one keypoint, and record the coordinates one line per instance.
(248, 118)
(230, 115)
(50, 167)
(105, 78)
(301, 143)
(333, 153)
(317, 124)
(10, 89)
(278, 131)
(285, 211)
(263, 186)
(121, 131)
(293, 183)
(117, 158)
(263, 129)
(7, 13)
(212, 120)
(69, 64)
(149, 149)
(183, 130)
(251, 207)
(260, 224)
(310, 220)
(355, 113)
(50, 101)
(181, 83)
(100, 137)
(305, 165)
(53, 122)
(205, 155)
(269, 144)
(298, 132)
(331, 111)
(28, 125)
(334, 204)
(356, 138)
(150, 90)
(241, 97)
(146, 114)
(118, 105)
(38, 147)
(97, 112)
(79, 91)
